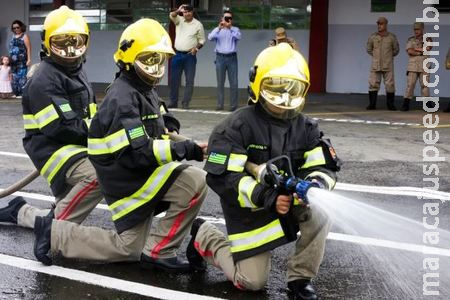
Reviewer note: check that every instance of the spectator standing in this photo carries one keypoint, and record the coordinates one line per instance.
(382, 46)
(20, 53)
(416, 57)
(189, 38)
(5, 78)
(226, 37)
(281, 37)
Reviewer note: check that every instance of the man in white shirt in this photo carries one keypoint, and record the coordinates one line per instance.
(189, 38)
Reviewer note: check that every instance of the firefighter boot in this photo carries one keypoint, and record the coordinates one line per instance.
(372, 100)
(302, 289)
(171, 264)
(390, 97)
(9, 213)
(195, 259)
(405, 106)
(42, 230)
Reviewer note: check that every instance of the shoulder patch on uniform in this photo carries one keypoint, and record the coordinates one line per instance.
(217, 158)
(136, 132)
(65, 107)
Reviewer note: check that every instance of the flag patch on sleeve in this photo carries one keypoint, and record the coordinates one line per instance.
(217, 158)
(136, 132)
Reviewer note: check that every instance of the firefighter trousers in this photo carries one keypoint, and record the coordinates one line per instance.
(185, 196)
(82, 197)
(252, 273)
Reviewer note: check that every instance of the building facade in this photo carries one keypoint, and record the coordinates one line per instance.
(332, 34)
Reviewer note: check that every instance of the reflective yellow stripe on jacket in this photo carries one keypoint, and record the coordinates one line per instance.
(246, 186)
(313, 158)
(330, 181)
(92, 110)
(236, 162)
(58, 159)
(255, 238)
(145, 194)
(41, 119)
(161, 150)
(109, 144)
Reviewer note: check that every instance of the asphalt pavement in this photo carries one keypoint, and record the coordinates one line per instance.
(376, 248)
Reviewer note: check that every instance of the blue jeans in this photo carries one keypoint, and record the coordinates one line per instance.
(182, 62)
(227, 63)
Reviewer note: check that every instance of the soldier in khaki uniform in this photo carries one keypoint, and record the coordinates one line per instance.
(415, 49)
(382, 46)
(281, 37)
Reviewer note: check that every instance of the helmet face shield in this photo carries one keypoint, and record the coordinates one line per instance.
(149, 66)
(67, 49)
(283, 97)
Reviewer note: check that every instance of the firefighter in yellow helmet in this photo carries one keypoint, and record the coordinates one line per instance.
(258, 216)
(138, 167)
(58, 105)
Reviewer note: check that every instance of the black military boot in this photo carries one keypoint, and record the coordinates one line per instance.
(171, 264)
(302, 289)
(372, 100)
(405, 106)
(43, 230)
(195, 259)
(390, 97)
(9, 213)
(447, 110)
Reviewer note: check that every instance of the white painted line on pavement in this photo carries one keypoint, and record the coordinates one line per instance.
(394, 190)
(388, 244)
(47, 198)
(100, 280)
(14, 154)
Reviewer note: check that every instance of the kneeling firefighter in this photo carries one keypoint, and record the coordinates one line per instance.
(58, 105)
(137, 167)
(258, 216)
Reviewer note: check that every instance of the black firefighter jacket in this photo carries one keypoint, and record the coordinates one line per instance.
(252, 135)
(135, 164)
(57, 107)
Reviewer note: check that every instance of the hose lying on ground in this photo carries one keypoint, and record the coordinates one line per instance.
(19, 184)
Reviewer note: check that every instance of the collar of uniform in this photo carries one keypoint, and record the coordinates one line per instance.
(261, 112)
(133, 79)
(66, 70)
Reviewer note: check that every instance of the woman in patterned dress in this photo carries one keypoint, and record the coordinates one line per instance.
(20, 54)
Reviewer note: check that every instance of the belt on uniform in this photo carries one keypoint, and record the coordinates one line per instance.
(227, 54)
(182, 52)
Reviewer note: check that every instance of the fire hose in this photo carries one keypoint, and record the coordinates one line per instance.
(19, 184)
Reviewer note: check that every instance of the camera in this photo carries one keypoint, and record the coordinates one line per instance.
(227, 19)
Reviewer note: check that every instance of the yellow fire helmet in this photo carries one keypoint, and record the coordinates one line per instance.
(144, 45)
(279, 80)
(65, 36)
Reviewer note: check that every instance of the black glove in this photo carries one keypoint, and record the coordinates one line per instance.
(188, 150)
(171, 123)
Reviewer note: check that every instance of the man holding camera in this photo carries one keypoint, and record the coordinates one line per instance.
(189, 38)
(226, 37)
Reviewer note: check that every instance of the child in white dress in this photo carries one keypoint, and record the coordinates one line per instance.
(5, 78)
